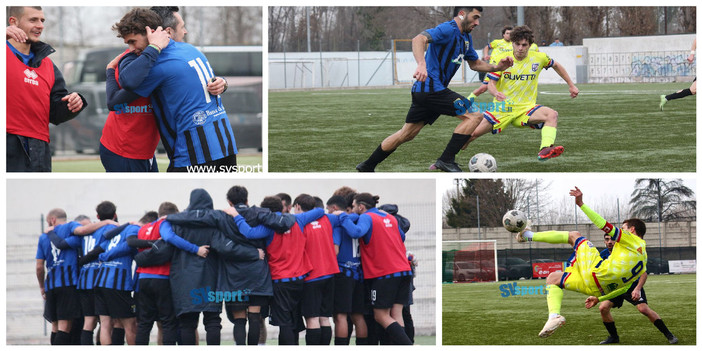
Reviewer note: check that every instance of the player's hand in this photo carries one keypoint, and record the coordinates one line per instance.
(203, 250)
(591, 302)
(636, 294)
(578, 196)
(261, 254)
(690, 58)
(486, 58)
(573, 91)
(14, 32)
(43, 293)
(216, 86)
(115, 61)
(158, 37)
(231, 211)
(500, 96)
(338, 212)
(48, 229)
(75, 103)
(505, 63)
(420, 73)
(110, 221)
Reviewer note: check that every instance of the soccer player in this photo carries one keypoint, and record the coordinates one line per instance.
(635, 296)
(58, 287)
(450, 44)
(517, 87)
(588, 273)
(194, 126)
(130, 135)
(349, 292)
(287, 202)
(384, 263)
(37, 95)
(318, 289)
(289, 265)
(685, 92)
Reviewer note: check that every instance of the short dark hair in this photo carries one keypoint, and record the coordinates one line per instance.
(506, 28)
(638, 225)
(149, 217)
(18, 11)
(318, 202)
(366, 199)
(272, 203)
(285, 198)
(238, 195)
(520, 33)
(166, 208)
(106, 210)
(166, 15)
(338, 201)
(347, 193)
(458, 9)
(305, 201)
(135, 22)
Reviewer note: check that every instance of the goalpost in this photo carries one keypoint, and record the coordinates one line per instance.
(467, 261)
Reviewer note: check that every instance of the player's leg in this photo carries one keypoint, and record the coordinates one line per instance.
(105, 330)
(693, 87)
(130, 328)
(451, 103)
(479, 90)
(236, 313)
(254, 318)
(326, 310)
(389, 145)
(311, 308)
(551, 236)
(62, 333)
(655, 319)
(608, 321)
(546, 119)
(213, 327)
(679, 94)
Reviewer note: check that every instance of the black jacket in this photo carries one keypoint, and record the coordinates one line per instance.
(192, 276)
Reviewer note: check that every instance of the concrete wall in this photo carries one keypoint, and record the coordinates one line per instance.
(675, 234)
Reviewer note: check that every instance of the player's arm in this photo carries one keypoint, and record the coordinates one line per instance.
(40, 276)
(135, 242)
(122, 249)
(280, 223)
(115, 95)
(486, 56)
(418, 44)
(691, 58)
(231, 251)
(92, 227)
(593, 300)
(636, 293)
(492, 87)
(564, 74)
(356, 230)
(308, 217)
(133, 69)
(172, 238)
(63, 106)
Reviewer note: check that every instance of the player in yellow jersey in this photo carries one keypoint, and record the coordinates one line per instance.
(588, 273)
(517, 87)
(499, 47)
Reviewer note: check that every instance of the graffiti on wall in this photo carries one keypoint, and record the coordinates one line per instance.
(660, 65)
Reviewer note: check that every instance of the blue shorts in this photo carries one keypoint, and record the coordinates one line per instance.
(116, 163)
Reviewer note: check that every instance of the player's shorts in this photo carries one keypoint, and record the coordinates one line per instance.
(386, 292)
(579, 276)
(87, 302)
(114, 303)
(518, 117)
(154, 300)
(116, 163)
(285, 308)
(61, 304)
(254, 300)
(619, 300)
(318, 298)
(427, 107)
(349, 295)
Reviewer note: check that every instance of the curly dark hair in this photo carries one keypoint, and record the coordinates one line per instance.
(135, 22)
(520, 33)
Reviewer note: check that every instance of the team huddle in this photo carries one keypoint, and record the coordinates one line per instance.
(350, 264)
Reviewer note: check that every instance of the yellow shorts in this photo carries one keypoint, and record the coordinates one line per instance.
(579, 276)
(517, 116)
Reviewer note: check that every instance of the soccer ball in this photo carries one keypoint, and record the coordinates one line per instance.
(514, 221)
(482, 163)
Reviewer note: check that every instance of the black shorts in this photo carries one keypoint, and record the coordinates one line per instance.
(427, 107)
(349, 295)
(318, 298)
(114, 303)
(154, 301)
(619, 300)
(254, 300)
(61, 304)
(87, 302)
(385, 292)
(287, 298)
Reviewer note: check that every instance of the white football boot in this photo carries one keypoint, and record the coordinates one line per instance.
(551, 325)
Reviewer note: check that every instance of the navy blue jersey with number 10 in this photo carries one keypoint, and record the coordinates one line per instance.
(193, 124)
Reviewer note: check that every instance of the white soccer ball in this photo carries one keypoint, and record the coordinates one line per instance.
(482, 163)
(514, 221)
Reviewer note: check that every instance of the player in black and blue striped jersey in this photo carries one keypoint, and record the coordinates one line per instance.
(450, 44)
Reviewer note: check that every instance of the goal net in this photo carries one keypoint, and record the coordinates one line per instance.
(466, 261)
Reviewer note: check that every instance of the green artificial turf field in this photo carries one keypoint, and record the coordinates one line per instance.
(478, 314)
(608, 128)
(93, 164)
